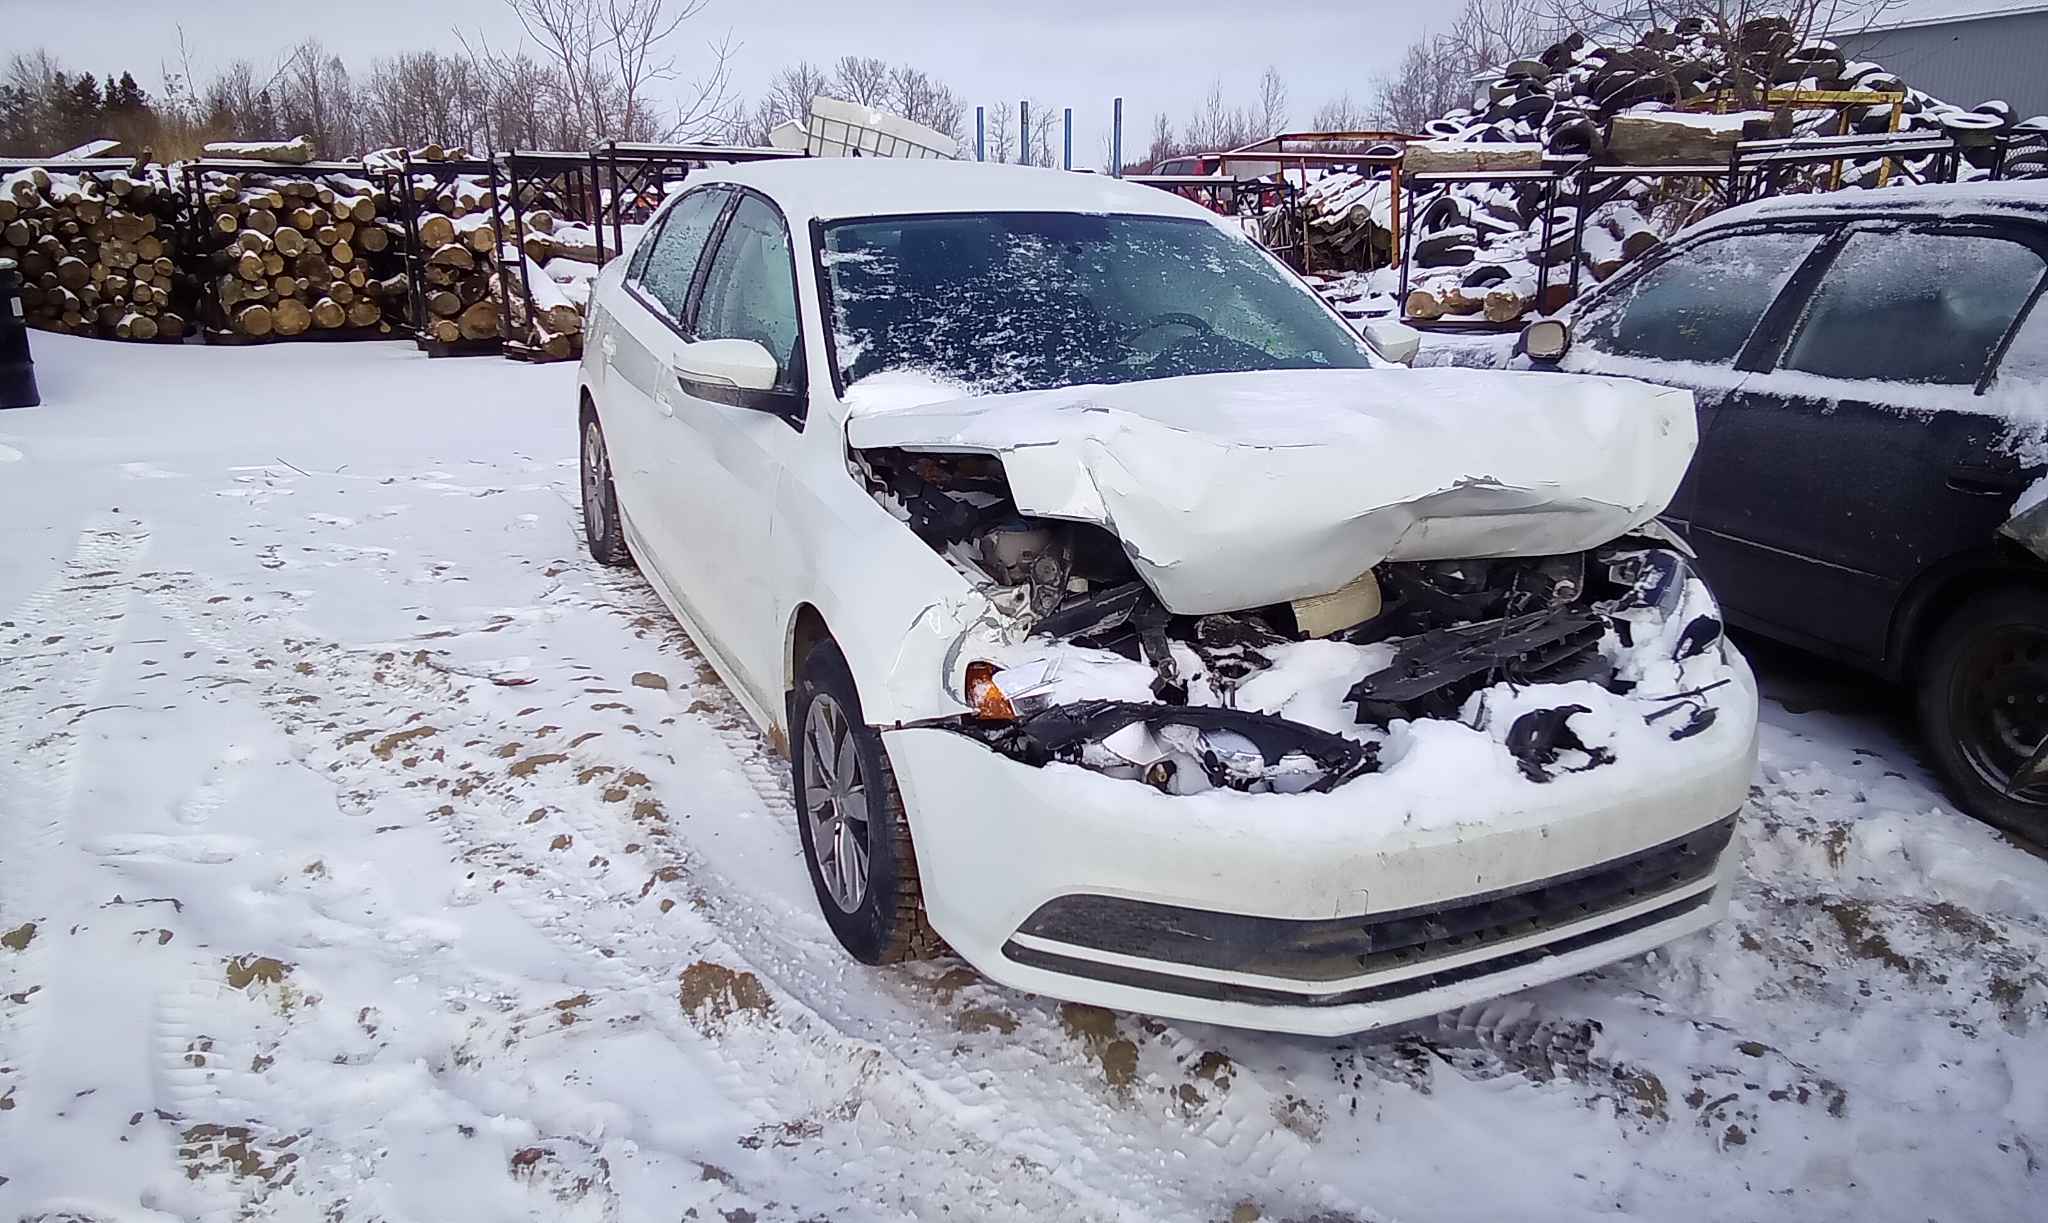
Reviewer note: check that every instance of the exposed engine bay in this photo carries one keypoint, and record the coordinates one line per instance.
(1093, 669)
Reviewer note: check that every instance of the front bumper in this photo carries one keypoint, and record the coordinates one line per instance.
(1480, 890)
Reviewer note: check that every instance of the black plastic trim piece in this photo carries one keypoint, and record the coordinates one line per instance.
(1230, 991)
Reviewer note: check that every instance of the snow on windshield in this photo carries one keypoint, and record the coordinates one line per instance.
(1032, 301)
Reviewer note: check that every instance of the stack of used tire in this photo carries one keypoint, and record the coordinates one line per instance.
(1477, 248)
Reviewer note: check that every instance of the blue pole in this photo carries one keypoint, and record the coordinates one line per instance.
(1024, 133)
(1116, 140)
(1067, 157)
(980, 133)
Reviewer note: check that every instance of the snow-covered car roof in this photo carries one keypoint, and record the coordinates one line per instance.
(1934, 199)
(831, 188)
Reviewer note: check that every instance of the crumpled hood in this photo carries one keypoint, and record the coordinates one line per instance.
(1232, 491)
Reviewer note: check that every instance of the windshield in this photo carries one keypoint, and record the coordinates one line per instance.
(1029, 301)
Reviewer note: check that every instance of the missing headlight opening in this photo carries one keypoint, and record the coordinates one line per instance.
(1545, 654)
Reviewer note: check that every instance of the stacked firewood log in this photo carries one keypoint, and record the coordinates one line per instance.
(456, 223)
(560, 259)
(98, 251)
(294, 254)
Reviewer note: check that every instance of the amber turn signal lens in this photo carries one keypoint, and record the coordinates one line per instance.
(988, 700)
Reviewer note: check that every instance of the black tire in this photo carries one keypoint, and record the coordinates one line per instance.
(602, 530)
(1984, 707)
(885, 923)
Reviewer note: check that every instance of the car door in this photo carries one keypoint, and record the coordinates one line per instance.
(1863, 455)
(637, 344)
(722, 454)
(1684, 319)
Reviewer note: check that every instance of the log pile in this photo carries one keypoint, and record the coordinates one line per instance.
(98, 251)
(560, 259)
(457, 227)
(293, 254)
(1477, 248)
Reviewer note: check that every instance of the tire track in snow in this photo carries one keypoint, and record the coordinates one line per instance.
(54, 650)
(799, 1059)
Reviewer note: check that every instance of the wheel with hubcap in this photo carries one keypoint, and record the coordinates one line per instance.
(850, 818)
(602, 529)
(1984, 709)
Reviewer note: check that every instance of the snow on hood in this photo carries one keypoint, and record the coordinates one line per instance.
(1232, 491)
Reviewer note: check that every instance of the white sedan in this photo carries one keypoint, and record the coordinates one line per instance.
(1138, 633)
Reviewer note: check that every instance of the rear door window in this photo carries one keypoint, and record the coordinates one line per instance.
(671, 263)
(1701, 304)
(1914, 307)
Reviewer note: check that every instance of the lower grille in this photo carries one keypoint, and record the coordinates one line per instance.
(1229, 991)
(1337, 948)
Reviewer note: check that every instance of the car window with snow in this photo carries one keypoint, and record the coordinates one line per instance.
(750, 289)
(2026, 358)
(1700, 305)
(672, 261)
(1914, 307)
(1029, 301)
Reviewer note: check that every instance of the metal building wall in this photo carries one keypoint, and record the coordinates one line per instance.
(1966, 62)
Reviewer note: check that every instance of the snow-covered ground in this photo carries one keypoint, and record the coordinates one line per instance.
(367, 853)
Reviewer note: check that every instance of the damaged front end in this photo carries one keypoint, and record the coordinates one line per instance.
(1079, 661)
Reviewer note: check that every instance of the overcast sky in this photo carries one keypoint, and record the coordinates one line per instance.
(1157, 54)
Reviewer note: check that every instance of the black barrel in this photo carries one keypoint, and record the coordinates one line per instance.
(17, 372)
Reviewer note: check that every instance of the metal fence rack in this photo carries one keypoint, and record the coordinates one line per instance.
(174, 211)
(632, 179)
(443, 172)
(207, 242)
(1551, 178)
(1364, 163)
(567, 184)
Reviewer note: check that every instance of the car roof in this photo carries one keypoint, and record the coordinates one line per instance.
(2026, 200)
(831, 188)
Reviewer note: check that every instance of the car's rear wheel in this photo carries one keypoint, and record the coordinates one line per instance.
(602, 530)
(1984, 709)
(850, 817)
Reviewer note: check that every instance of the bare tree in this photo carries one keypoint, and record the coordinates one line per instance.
(316, 98)
(863, 80)
(606, 55)
(789, 96)
(1341, 114)
(1219, 126)
(1272, 102)
(1162, 146)
(1431, 79)
(919, 98)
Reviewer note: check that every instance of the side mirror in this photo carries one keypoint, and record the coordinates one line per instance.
(1546, 339)
(1392, 341)
(740, 365)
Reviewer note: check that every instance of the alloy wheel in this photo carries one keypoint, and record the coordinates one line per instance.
(836, 803)
(596, 476)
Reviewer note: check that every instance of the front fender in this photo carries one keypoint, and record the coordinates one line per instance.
(898, 611)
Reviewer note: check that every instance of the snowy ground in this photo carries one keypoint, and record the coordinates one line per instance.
(367, 853)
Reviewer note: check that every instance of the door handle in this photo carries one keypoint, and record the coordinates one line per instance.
(1986, 481)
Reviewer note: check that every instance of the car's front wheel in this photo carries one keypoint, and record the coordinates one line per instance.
(602, 529)
(1984, 709)
(850, 817)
